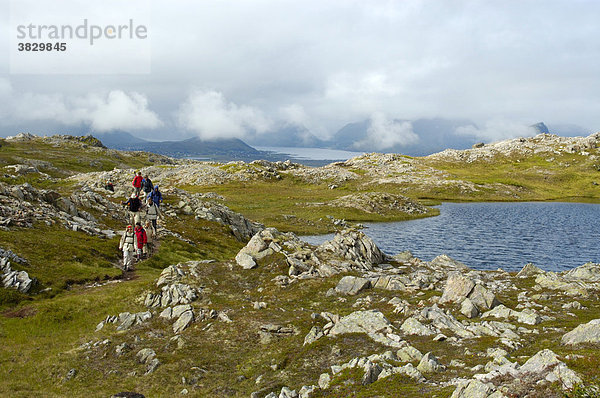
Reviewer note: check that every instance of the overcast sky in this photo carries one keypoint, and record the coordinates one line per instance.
(225, 68)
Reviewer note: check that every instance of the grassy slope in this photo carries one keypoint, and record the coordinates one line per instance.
(569, 177)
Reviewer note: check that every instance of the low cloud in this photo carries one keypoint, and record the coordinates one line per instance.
(384, 133)
(497, 130)
(211, 116)
(115, 110)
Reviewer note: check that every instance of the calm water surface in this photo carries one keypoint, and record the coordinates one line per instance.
(553, 236)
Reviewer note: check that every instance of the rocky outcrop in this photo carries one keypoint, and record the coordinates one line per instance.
(125, 320)
(242, 228)
(585, 333)
(505, 377)
(380, 203)
(458, 288)
(10, 278)
(24, 205)
(355, 247)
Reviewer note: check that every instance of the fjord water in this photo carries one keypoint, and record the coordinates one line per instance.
(553, 236)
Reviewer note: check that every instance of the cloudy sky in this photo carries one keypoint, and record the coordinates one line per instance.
(229, 68)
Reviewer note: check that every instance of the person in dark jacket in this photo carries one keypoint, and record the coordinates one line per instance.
(147, 185)
(156, 196)
(134, 205)
(137, 183)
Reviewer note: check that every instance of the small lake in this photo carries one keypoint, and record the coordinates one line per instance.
(553, 236)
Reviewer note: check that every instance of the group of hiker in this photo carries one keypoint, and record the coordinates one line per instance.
(143, 206)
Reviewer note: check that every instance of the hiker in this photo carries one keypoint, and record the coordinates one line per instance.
(133, 204)
(152, 213)
(128, 244)
(156, 196)
(151, 236)
(147, 185)
(141, 239)
(109, 186)
(137, 182)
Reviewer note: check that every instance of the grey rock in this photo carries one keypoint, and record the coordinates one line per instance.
(409, 354)
(468, 309)
(307, 391)
(287, 392)
(154, 363)
(446, 262)
(372, 371)
(145, 355)
(473, 389)
(72, 373)
(483, 298)
(588, 272)
(352, 285)
(324, 380)
(584, 333)
(245, 260)
(356, 247)
(313, 335)
(371, 321)
(412, 326)
(529, 270)
(457, 288)
(548, 366)
(184, 320)
(430, 364)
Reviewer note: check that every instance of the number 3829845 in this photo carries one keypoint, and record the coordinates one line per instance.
(42, 46)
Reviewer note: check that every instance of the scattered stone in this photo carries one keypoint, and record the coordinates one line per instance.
(351, 285)
(529, 270)
(430, 364)
(184, 320)
(70, 374)
(324, 381)
(409, 354)
(468, 309)
(412, 326)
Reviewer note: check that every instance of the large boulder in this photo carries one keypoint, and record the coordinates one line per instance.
(588, 272)
(262, 244)
(356, 247)
(368, 322)
(584, 333)
(457, 288)
(352, 285)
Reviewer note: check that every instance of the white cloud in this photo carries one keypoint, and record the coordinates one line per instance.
(498, 129)
(116, 110)
(120, 110)
(211, 116)
(384, 133)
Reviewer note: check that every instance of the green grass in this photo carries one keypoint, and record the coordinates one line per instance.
(290, 204)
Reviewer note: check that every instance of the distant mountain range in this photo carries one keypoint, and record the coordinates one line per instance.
(224, 149)
(434, 134)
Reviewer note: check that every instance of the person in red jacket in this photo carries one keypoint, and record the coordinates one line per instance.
(137, 183)
(141, 238)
